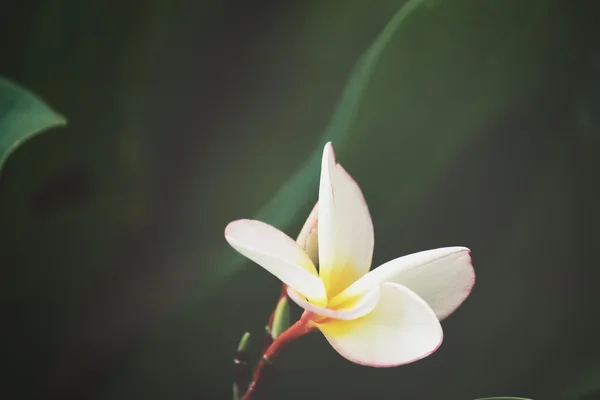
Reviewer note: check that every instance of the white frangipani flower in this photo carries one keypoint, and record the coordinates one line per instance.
(382, 318)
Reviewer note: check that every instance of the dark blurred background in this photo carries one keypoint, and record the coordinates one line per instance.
(480, 127)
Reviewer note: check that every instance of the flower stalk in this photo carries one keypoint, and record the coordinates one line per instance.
(298, 329)
(379, 317)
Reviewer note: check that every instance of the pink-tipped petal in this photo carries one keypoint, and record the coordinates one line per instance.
(345, 229)
(307, 239)
(277, 253)
(401, 329)
(364, 305)
(443, 277)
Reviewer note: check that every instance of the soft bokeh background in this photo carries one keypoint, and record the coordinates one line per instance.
(479, 127)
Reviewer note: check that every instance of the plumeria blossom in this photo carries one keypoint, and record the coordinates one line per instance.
(382, 318)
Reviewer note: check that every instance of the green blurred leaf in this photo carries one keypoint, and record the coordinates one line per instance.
(438, 98)
(244, 343)
(441, 84)
(294, 196)
(22, 116)
(75, 194)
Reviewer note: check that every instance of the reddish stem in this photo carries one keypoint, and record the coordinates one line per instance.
(300, 328)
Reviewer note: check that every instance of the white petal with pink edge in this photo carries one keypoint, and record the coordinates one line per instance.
(277, 253)
(443, 277)
(364, 305)
(345, 229)
(401, 329)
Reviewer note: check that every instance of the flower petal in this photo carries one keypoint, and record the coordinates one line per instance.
(277, 253)
(345, 230)
(442, 277)
(401, 329)
(307, 239)
(364, 305)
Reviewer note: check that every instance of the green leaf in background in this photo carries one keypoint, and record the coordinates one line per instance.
(22, 116)
(298, 192)
(70, 198)
(435, 122)
(432, 125)
(425, 80)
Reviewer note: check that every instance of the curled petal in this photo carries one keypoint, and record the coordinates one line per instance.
(345, 230)
(364, 305)
(443, 277)
(307, 239)
(312, 245)
(277, 253)
(401, 329)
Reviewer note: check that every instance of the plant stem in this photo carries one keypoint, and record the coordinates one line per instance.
(300, 328)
